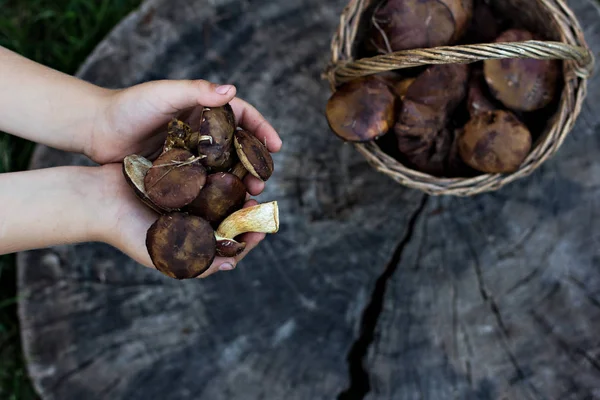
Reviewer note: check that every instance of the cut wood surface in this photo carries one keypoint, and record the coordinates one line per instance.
(369, 290)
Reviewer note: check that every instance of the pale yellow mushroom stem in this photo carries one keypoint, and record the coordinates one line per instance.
(259, 218)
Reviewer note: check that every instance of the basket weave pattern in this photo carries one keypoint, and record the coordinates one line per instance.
(551, 17)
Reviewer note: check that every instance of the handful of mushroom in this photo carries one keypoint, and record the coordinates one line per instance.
(196, 186)
(447, 120)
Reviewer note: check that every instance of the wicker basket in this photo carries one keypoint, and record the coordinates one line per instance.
(552, 17)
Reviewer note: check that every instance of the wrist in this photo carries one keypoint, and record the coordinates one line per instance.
(52, 108)
(47, 207)
(96, 123)
(121, 220)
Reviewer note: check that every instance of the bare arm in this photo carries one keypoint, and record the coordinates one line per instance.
(46, 106)
(48, 207)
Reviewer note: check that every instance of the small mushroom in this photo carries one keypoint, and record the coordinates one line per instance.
(522, 84)
(181, 246)
(424, 113)
(135, 168)
(259, 218)
(361, 110)
(175, 179)
(223, 194)
(494, 142)
(253, 154)
(179, 135)
(219, 124)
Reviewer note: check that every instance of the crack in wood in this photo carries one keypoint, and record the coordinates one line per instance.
(489, 299)
(562, 342)
(360, 384)
(581, 286)
(501, 325)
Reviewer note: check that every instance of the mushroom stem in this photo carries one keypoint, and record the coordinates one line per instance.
(259, 218)
(239, 170)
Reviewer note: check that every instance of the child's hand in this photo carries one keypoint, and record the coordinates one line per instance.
(133, 120)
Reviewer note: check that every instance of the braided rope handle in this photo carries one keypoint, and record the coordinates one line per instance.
(340, 71)
(541, 50)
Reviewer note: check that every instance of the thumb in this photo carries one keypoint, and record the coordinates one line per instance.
(183, 94)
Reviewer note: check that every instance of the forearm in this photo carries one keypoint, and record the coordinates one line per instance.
(47, 106)
(47, 207)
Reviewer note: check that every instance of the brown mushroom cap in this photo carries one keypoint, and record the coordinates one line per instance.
(522, 84)
(494, 142)
(253, 154)
(361, 110)
(410, 24)
(175, 179)
(218, 123)
(426, 108)
(222, 194)
(181, 246)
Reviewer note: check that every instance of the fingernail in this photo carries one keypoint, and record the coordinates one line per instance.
(223, 89)
(226, 267)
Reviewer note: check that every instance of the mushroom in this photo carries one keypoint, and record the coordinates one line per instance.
(410, 24)
(361, 110)
(522, 84)
(175, 179)
(222, 194)
(135, 168)
(259, 218)
(253, 154)
(181, 246)
(179, 135)
(219, 124)
(422, 137)
(494, 142)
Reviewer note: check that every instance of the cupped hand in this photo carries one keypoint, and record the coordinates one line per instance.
(133, 121)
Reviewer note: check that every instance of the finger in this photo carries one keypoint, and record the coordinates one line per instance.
(252, 239)
(250, 203)
(251, 120)
(219, 264)
(182, 94)
(254, 185)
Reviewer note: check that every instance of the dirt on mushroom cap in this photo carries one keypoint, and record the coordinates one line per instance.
(181, 246)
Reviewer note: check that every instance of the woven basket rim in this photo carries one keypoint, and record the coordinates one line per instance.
(572, 49)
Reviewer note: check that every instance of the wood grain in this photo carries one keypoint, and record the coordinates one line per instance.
(491, 297)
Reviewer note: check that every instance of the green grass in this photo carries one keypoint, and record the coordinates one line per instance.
(59, 34)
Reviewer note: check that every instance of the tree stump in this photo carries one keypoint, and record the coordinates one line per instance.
(369, 291)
